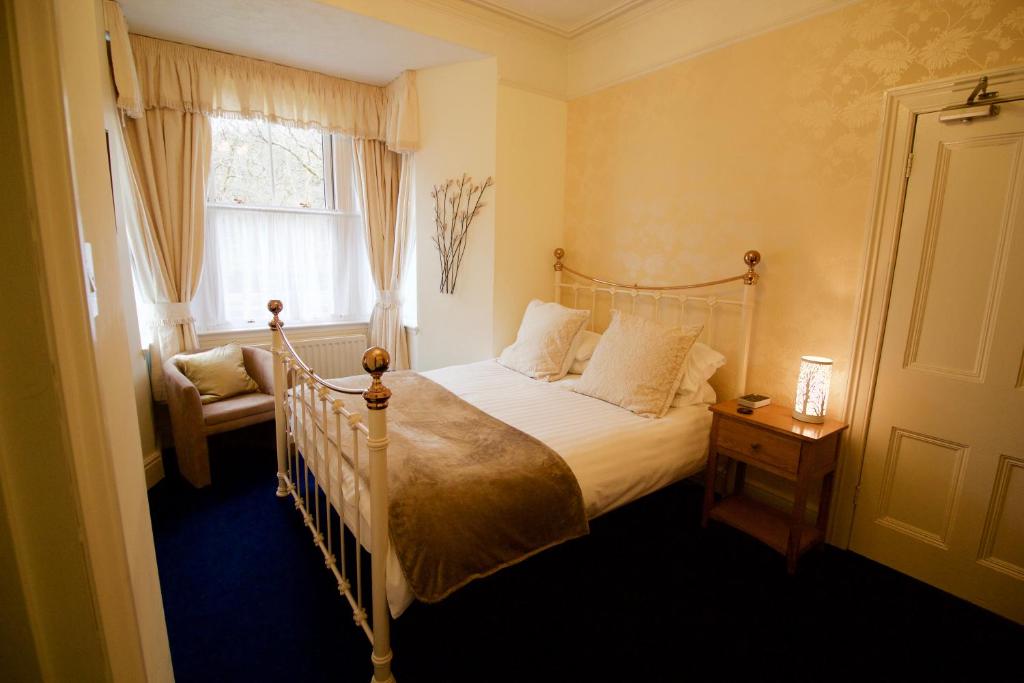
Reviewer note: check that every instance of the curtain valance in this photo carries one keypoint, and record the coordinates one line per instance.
(192, 79)
(129, 98)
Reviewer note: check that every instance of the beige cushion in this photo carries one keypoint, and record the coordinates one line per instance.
(638, 364)
(546, 343)
(237, 407)
(217, 373)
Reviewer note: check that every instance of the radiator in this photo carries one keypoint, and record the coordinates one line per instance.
(333, 356)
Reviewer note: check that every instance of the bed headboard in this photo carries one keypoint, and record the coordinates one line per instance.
(725, 307)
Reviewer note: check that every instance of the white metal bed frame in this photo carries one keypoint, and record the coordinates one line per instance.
(310, 394)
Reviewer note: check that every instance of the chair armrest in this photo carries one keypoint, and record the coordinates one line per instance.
(187, 425)
(259, 363)
(183, 401)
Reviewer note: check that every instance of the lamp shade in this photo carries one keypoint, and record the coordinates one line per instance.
(812, 388)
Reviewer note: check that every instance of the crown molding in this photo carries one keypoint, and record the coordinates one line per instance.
(533, 90)
(480, 14)
(608, 31)
(577, 29)
(620, 21)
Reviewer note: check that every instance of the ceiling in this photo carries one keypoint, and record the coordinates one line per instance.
(565, 17)
(299, 33)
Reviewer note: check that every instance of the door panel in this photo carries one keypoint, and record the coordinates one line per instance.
(955, 298)
(1002, 546)
(921, 485)
(941, 495)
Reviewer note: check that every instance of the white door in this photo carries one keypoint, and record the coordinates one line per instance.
(941, 495)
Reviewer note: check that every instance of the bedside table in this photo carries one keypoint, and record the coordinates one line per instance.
(772, 440)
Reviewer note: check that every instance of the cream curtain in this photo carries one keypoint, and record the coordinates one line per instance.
(126, 79)
(170, 159)
(192, 79)
(382, 177)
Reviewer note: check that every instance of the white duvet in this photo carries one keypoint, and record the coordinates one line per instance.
(615, 455)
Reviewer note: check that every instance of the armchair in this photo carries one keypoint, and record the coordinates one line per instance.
(192, 421)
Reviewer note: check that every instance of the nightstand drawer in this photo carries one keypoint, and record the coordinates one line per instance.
(759, 445)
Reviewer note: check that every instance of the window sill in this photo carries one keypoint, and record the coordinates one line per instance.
(296, 332)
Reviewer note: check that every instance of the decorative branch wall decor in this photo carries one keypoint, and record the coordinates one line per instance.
(456, 204)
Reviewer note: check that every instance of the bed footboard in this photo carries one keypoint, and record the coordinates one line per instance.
(306, 457)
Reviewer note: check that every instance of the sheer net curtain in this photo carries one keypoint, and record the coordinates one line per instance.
(254, 255)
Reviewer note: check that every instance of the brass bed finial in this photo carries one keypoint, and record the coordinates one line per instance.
(752, 257)
(275, 306)
(376, 362)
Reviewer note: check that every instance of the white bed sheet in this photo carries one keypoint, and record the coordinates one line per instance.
(615, 455)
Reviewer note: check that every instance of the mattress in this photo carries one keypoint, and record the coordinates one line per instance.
(615, 455)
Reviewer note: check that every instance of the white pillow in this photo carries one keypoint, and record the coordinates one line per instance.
(546, 342)
(638, 364)
(704, 395)
(701, 364)
(588, 341)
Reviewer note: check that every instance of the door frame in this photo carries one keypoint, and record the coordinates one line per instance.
(88, 478)
(899, 119)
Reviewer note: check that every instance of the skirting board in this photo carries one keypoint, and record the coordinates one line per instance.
(154, 464)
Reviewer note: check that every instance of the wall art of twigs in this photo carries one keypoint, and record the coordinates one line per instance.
(456, 204)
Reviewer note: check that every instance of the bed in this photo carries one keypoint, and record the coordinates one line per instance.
(324, 436)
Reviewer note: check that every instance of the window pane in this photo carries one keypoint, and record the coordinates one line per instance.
(240, 163)
(298, 156)
(255, 163)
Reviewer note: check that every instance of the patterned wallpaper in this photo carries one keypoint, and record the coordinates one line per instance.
(769, 143)
(876, 46)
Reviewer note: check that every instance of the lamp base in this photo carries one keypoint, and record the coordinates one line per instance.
(815, 419)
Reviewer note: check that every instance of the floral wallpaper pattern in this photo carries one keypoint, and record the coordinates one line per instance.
(878, 45)
(768, 143)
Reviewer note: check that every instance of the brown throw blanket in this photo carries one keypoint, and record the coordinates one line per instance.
(468, 494)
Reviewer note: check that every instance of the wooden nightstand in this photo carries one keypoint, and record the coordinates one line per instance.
(770, 439)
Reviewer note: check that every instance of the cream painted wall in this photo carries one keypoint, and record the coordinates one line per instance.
(528, 57)
(770, 144)
(530, 217)
(523, 145)
(91, 112)
(458, 129)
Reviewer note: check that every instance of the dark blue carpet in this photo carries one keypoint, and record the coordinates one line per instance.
(649, 595)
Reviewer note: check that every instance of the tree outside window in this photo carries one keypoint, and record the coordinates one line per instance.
(256, 163)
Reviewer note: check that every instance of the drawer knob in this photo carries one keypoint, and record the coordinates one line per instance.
(755, 446)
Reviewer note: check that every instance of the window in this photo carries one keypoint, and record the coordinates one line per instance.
(282, 222)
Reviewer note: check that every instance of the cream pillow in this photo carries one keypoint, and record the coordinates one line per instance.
(546, 343)
(218, 373)
(638, 365)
